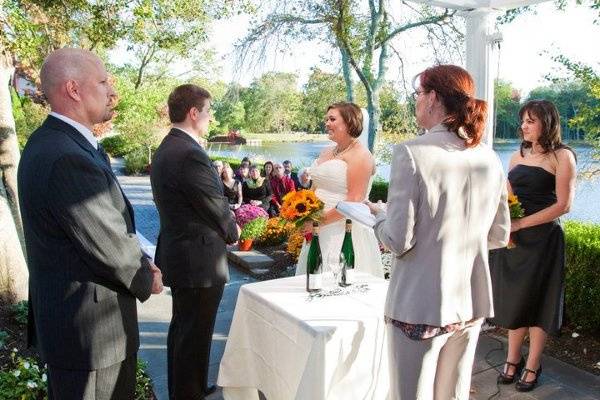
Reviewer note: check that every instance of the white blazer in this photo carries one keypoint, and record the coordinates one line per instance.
(447, 205)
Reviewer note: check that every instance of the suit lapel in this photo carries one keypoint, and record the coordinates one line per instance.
(57, 124)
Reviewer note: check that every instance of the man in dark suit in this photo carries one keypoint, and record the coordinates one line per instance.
(86, 268)
(195, 226)
(287, 171)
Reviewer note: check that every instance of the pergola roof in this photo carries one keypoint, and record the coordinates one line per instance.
(477, 4)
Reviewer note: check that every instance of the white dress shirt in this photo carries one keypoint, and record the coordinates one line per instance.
(79, 127)
(196, 138)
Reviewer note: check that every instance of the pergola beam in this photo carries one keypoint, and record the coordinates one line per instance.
(467, 5)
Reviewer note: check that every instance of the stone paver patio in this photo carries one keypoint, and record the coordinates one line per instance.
(559, 381)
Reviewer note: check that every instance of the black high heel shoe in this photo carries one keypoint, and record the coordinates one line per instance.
(522, 385)
(504, 378)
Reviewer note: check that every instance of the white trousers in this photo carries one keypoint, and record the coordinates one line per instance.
(433, 369)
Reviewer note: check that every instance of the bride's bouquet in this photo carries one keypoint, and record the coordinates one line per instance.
(300, 206)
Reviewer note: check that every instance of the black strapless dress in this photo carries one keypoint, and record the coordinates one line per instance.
(528, 280)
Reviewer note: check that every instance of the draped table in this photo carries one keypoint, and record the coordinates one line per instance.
(290, 346)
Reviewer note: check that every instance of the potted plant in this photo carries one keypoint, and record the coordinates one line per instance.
(246, 216)
(250, 231)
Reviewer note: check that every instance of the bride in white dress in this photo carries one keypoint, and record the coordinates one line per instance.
(343, 172)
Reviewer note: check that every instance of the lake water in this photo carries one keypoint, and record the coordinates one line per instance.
(587, 196)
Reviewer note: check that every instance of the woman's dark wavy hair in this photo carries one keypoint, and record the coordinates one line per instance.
(455, 89)
(550, 137)
(264, 170)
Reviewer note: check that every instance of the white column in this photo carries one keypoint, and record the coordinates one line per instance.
(482, 59)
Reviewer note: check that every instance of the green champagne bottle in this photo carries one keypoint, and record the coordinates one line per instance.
(348, 256)
(314, 263)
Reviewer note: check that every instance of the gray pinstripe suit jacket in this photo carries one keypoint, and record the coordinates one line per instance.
(85, 264)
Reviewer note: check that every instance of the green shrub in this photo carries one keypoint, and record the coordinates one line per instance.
(379, 191)
(20, 311)
(143, 385)
(118, 145)
(24, 379)
(582, 277)
(136, 161)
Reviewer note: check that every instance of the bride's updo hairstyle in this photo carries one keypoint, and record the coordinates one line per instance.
(454, 87)
(352, 116)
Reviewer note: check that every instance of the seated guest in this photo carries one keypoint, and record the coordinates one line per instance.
(268, 170)
(242, 172)
(281, 184)
(304, 180)
(232, 188)
(256, 190)
(287, 170)
(218, 166)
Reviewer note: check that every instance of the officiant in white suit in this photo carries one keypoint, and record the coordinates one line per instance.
(344, 172)
(447, 205)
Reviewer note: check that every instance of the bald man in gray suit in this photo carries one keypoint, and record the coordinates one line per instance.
(86, 268)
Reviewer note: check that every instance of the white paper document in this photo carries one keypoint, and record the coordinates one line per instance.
(358, 212)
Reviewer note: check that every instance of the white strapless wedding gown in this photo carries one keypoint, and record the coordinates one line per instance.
(329, 179)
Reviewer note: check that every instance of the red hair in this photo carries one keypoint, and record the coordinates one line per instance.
(454, 87)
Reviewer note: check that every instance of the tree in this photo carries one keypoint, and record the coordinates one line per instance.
(397, 116)
(229, 110)
(321, 90)
(364, 36)
(569, 97)
(162, 31)
(33, 29)
(507, 106)
(272, 103)
(13, 270)
(582, 98)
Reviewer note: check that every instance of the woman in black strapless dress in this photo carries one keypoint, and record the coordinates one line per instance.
(528, 280)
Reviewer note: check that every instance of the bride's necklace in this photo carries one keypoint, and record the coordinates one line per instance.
(337, 152)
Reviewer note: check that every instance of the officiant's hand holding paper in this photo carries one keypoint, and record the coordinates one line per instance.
(376, 208)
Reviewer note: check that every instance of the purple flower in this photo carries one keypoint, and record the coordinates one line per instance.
(249, 212)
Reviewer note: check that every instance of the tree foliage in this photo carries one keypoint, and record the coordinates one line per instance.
(507, 107)
(321, 90)
(272, 103)
(229, 110)
(31, 29)
(586, 115)
(363, 34)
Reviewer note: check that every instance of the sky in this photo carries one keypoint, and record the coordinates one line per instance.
(528, 44)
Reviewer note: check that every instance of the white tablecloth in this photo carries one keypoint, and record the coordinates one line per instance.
(291, 348)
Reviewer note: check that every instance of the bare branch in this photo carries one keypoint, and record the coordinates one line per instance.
(403, 76)
(427, 21)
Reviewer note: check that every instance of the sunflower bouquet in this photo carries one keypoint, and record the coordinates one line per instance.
(516, 211)
(300, 206)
